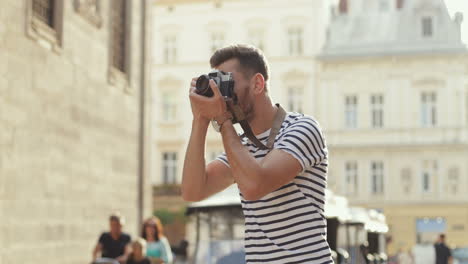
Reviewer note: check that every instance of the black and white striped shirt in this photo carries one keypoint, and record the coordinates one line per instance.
(288, 226)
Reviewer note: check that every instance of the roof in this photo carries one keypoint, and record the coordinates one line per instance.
(335, 207)
(373, 220)
(227, 198)
(380, 28)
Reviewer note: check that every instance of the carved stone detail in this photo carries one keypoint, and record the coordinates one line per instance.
(90, 10)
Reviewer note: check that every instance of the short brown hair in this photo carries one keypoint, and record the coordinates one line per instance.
(117, 218)
(251, 59)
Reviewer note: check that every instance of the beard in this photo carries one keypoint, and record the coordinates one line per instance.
(247, 104)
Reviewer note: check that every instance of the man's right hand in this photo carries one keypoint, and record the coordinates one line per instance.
(206, 108)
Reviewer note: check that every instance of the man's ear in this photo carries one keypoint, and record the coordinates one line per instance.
(258, 83)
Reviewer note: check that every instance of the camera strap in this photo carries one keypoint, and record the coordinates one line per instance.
(277, 122)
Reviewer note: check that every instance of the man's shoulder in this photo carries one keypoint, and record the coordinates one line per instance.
(125, 237)
(105, 234)
(296, 119)
(104, 237)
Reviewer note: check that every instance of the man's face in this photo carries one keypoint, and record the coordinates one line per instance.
(242, 87)
(115, 227)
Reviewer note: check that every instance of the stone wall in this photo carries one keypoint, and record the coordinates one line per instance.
(68, 138)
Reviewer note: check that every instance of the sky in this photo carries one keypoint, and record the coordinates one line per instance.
(460, 6)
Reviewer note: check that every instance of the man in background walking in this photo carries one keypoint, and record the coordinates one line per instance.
(443, 253)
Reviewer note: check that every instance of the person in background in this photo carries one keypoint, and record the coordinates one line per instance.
(404, 257)
(443, 252)
(138, 255)
(158, 248)
(113, 244)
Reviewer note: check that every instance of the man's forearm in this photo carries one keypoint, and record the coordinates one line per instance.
(96, 251)
(194, 172)
(246, 171)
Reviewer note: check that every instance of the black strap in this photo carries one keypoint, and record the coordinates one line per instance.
(277, 122)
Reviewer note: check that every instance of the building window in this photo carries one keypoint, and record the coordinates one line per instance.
(406, 180)
(90, 10)
(119, 34)
(351, 111)
(169, 107)
(384, 5)
(428, 109)
(377, 111)
(377, 177)
(343, 6)
(295, 95)
(257, 38)
(217, 41)
(399, 4)
(170, 49)
(169, 167)
(44, 23)
(295, 39)
(351, 178)
(44, 11)
(427, 26)
(428, 228)
(453, 180)
(466, 107)
(429, 171)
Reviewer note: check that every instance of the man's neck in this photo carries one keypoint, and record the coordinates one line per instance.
(115, 235)
(263, 119)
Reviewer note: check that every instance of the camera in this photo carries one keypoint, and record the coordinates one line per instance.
(223, 80)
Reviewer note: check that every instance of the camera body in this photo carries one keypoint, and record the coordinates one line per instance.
(223, 80)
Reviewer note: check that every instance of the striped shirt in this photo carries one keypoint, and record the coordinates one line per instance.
(288, 226)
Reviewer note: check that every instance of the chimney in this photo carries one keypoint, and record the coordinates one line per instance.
(343, 7)
(399, 4)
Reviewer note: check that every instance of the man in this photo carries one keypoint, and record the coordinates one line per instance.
(114, 244)
(443, 254)
(282, 190)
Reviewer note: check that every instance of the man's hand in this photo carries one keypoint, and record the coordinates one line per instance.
(200, 181)
(207, 108)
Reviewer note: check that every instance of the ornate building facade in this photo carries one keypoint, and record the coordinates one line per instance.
(290, 33)
(393, 99)
(71, 125)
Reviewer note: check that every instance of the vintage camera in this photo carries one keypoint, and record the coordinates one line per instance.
(224, 81)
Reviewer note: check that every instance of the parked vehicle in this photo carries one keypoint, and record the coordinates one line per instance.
(216, 230)
(460, 255)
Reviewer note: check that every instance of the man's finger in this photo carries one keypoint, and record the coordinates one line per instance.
(200, 98)
(215, 88)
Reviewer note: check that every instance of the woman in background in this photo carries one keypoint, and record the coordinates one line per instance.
(157, 248)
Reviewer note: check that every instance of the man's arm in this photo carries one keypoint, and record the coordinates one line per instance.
(97, 250)
(127, 251)
(257, 179)
(198, 180)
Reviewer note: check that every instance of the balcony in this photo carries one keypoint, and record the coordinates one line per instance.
(397, 137)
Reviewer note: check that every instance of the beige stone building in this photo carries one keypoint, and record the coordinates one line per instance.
(73, 120)
(290, 33)
(393, 99)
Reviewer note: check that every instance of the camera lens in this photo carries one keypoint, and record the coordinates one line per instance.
(203, 86)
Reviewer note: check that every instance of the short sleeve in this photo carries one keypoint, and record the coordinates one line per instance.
(166, 251)
(223, 158)
(127, 239)
(305, 142)
(102, 239)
